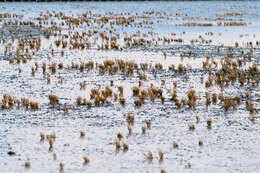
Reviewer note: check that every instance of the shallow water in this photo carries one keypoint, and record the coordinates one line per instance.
(232, 145)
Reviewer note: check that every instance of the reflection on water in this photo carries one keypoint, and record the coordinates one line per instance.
(231, 145)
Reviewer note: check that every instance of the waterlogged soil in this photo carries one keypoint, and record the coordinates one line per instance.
(232, 144)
